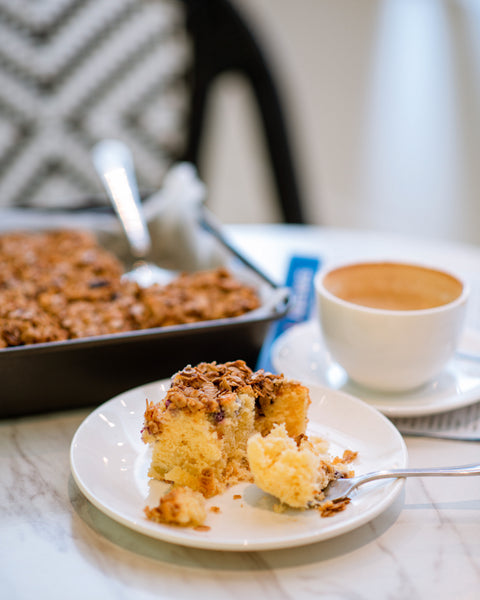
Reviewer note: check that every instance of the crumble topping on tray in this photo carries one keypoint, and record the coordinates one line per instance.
(62, 285)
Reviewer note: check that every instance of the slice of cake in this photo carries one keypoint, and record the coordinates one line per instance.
(200, 429)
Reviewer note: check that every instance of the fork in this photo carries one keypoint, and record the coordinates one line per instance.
(339, 489)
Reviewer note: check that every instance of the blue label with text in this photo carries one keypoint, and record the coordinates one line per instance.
(301, 273)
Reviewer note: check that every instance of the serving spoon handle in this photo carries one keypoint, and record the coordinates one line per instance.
(114, 164)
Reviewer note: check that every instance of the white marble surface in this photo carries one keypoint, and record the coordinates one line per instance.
(55, 544)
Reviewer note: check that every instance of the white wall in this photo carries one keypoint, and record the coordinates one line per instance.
(384, 102)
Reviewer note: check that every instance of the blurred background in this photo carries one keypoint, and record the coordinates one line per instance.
(383, 103)
(381, 100)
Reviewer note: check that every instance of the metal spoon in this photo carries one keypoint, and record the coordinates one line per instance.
(340, 488)
(113, 162)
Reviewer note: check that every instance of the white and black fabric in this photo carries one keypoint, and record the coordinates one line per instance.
(73, 72)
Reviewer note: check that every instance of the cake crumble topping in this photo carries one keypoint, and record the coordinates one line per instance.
(211, 388)
(60, 285)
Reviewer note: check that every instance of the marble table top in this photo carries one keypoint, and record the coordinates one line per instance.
(55, 544)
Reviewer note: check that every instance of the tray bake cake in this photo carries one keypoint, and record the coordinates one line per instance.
(68, 315)
(62, 285)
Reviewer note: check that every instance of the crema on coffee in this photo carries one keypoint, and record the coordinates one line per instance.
(393, 286)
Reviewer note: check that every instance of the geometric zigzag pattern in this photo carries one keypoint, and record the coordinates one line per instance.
(75, 71)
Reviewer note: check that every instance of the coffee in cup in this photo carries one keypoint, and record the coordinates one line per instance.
(392, 326)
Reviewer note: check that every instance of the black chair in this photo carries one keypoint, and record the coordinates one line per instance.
(223, 42)
(45, 146)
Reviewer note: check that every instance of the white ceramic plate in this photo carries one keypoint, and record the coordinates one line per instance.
(300, 354)
(109, 463)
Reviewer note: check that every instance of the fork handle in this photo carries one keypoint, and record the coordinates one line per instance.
(431, 472)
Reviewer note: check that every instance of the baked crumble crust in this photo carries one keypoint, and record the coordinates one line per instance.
(58, 285)
(330, 508)
(212, 388)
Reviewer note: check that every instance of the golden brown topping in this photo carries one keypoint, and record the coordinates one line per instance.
(208, 484)
(208, 386)
(264, 385)
(200, 296)
(348, 457)
(212, 387)
(60, 285)
(153, 423)
(330, 508)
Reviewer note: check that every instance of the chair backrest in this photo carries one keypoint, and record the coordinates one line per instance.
(75, 71)
(223, 42)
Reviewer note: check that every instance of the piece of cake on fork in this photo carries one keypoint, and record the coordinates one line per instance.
(296, 471)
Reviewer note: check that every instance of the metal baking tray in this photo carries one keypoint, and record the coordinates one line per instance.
(85, 372)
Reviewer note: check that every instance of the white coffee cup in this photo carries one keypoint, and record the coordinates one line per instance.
(392, 326)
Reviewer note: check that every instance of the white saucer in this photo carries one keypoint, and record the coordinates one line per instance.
(299, 353)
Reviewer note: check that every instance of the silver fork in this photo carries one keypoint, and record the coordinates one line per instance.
(341, 488)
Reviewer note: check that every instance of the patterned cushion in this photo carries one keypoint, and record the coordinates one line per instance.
(76, 71)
